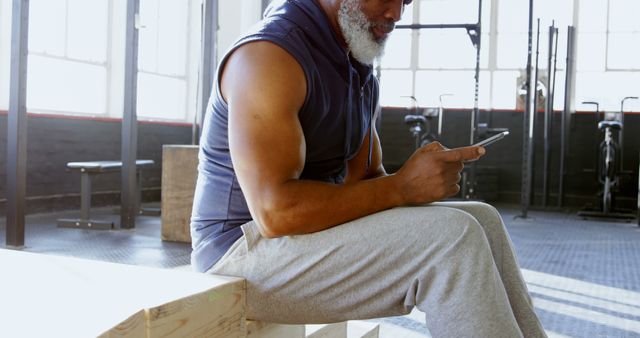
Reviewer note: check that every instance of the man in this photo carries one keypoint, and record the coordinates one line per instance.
(292, 194)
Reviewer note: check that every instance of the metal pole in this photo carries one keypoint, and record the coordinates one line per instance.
(208, 59)
(439, 26)
(525, 187)
(476, 106)
(532, 120)
(568, 99)
(128, 197)
(555, 69)
(547, 119)
(17, 126)
(552, 95)
(85, 195)
(553, 83)
(471, 183)
(138, 200)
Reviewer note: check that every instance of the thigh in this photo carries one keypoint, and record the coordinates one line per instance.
(357, 270)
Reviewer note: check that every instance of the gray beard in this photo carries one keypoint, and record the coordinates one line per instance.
(357, 33)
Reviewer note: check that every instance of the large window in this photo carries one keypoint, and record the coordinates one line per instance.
(429, 63)
(609, 53)
(67, 63)
(76, 57)
(162, 77)
(624, 35)
(5, 43)
(511, 52)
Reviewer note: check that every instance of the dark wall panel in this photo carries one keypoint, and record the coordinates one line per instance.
(54, 141)
(504, 158)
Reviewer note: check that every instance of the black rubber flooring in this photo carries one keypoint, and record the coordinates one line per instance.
(139, 246)
(583, 275)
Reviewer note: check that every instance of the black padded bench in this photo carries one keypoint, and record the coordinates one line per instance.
(87, 170)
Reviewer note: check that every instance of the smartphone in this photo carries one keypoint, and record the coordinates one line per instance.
(492, 139)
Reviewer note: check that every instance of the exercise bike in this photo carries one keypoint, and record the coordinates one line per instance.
(608, 169)
(609, 157)
(420, 122)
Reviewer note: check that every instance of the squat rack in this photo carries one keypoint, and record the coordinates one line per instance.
(529, 118)
(473, 30)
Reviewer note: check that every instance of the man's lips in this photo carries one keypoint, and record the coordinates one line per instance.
(381, 31)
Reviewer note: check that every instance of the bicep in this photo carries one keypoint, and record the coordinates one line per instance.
(264, 88)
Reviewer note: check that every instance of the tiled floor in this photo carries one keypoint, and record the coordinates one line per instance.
(584, 276)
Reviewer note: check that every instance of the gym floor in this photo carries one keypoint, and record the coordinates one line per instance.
(583, 275)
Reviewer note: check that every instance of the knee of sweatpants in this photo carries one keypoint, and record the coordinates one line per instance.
(481, 209)
(460, 227)
(486, 214)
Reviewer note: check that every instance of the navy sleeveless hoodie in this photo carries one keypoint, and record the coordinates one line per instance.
(342, 95)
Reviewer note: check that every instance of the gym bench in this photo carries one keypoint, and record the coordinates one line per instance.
(89, 169)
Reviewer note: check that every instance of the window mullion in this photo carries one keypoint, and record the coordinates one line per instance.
(157, 37)
(606, 40)
(108, 58)
(66, 29)
(186, 66)
(493, 46)
(415, 47)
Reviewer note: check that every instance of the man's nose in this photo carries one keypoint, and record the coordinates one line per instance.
(394, 12)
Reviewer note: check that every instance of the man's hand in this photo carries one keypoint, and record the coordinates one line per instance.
(432, 173)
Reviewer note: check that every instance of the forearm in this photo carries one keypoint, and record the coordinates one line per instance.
(304, 206)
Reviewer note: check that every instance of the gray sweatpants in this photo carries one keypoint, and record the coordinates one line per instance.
(452, 260)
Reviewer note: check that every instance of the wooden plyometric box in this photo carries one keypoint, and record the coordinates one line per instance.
(256, 329)
(179, 174)
(49, 296)
(132, 327)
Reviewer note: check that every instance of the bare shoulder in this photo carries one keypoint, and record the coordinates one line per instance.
(263, 68)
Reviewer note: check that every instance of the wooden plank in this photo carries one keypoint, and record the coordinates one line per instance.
(69, 297)
(179, 174)
(132, 327)
(256, 329)
(335, 330)
(215, 313)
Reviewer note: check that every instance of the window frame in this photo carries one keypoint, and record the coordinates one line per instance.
(415, 67)
(105, 65)
(185, 78)
(492, 66)
(113, 65)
